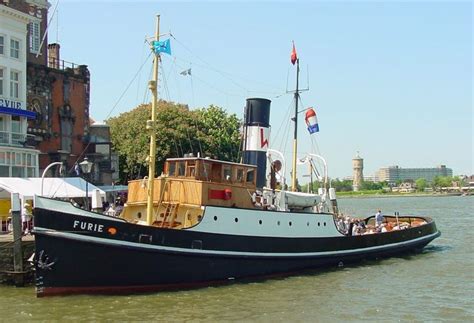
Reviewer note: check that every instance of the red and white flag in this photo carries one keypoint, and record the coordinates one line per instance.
(293, 56)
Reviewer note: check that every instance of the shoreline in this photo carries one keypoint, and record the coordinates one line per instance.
(382, 195)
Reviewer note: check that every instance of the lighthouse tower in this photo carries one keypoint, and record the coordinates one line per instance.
(358, 172)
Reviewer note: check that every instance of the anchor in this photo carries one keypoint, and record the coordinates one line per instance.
(44, 262)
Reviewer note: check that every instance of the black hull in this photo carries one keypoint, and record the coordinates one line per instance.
(140, 258)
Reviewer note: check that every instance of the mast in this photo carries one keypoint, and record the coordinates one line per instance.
(295, 136)
(151, 127)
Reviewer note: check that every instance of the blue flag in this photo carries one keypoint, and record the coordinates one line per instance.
(162, 46)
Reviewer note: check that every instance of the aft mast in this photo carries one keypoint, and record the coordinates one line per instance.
(294, 58)
(151, 126)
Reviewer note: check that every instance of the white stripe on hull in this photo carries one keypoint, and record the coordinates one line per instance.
(118, 243)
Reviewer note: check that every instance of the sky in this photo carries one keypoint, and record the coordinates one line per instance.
(389, 80)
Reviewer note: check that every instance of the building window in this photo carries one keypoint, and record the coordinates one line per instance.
(4, 136)
(2, 45)
(14, 48)
(35, 37)
(2, 71)
(14, 84)
(66, 128)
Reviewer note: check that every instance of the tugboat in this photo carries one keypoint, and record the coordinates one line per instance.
(205, 221)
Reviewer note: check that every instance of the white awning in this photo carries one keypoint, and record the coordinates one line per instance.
(27, 188)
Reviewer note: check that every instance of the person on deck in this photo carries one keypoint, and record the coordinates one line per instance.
(378, 218)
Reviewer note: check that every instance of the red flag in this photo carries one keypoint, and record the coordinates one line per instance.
(294, 57)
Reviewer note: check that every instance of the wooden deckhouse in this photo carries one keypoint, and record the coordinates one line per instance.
(188, 184)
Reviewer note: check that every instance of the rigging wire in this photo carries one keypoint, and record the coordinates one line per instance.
(210, 66)
(146, 94)
(144, 47)
(128, 86)
(232, 75)
(47, 29)
(175, 74)
(165, 83)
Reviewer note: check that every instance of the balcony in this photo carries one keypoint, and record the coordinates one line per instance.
(12, 139)
(60, 64)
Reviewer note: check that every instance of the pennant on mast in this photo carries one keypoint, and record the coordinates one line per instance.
(293, 56)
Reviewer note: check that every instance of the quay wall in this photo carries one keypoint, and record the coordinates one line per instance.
(6, 262)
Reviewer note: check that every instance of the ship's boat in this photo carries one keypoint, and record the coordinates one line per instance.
(205, 221)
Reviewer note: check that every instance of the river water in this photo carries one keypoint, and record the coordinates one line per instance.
(436, 284)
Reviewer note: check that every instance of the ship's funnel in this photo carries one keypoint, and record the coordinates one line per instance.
(257, 135)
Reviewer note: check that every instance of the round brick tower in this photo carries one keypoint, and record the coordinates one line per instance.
(358, 172)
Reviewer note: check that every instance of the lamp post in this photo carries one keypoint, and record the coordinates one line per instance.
(86, 167)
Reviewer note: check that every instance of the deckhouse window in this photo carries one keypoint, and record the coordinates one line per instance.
(2, 45)
(206, 171)
(216, 172)
(191, 168)
(239, 175)
(250, 175)
(227, 173)
(181, 168)
(171, 168)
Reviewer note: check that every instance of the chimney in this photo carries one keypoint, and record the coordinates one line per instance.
(53, 55)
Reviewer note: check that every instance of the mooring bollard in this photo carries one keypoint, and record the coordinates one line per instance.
(17, 243)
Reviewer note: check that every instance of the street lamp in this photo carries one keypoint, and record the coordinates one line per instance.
(86, 167)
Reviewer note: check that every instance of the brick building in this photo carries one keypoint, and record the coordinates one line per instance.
(57, 94)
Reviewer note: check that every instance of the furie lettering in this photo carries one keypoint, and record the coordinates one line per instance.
(87, 226)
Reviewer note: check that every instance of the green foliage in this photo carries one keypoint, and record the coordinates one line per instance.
(210, 131)
(370, 186)
(341, 186)
(421, 184)
(218, 133)
(442, 181)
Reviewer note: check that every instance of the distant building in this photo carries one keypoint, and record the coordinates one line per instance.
(392, 174)
(53, 95)
(358, 172)
(17, 157)
(106, 169)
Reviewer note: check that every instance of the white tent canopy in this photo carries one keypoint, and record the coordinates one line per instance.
(27, 188)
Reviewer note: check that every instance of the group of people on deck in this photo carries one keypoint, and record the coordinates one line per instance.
(355, 227)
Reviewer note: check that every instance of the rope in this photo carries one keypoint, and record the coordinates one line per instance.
(128, 86)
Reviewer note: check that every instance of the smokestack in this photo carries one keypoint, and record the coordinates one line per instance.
(257, 136)
(53, 55)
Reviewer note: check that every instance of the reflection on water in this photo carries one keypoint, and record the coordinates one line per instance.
(434, 284)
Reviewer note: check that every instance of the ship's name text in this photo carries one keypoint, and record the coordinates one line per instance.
(88, 226)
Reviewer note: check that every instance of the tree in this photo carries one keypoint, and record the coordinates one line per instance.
(179, 131)
(341, 186)
(421, 184)
(370, 186)
(218, 133)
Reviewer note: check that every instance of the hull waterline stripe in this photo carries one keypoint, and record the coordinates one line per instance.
(118, 243)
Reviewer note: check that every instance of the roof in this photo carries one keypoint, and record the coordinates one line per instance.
(65, 187)
(209, 160)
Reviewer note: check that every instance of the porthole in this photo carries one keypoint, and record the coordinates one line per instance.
(259, 221)
(278, 222)
(324, 223)
(319, 224)
(236, 219)
(307, 224)
(289, 223)
(215, 218)
(139, 215)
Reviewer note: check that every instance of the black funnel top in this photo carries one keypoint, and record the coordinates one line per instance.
(257, 112)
